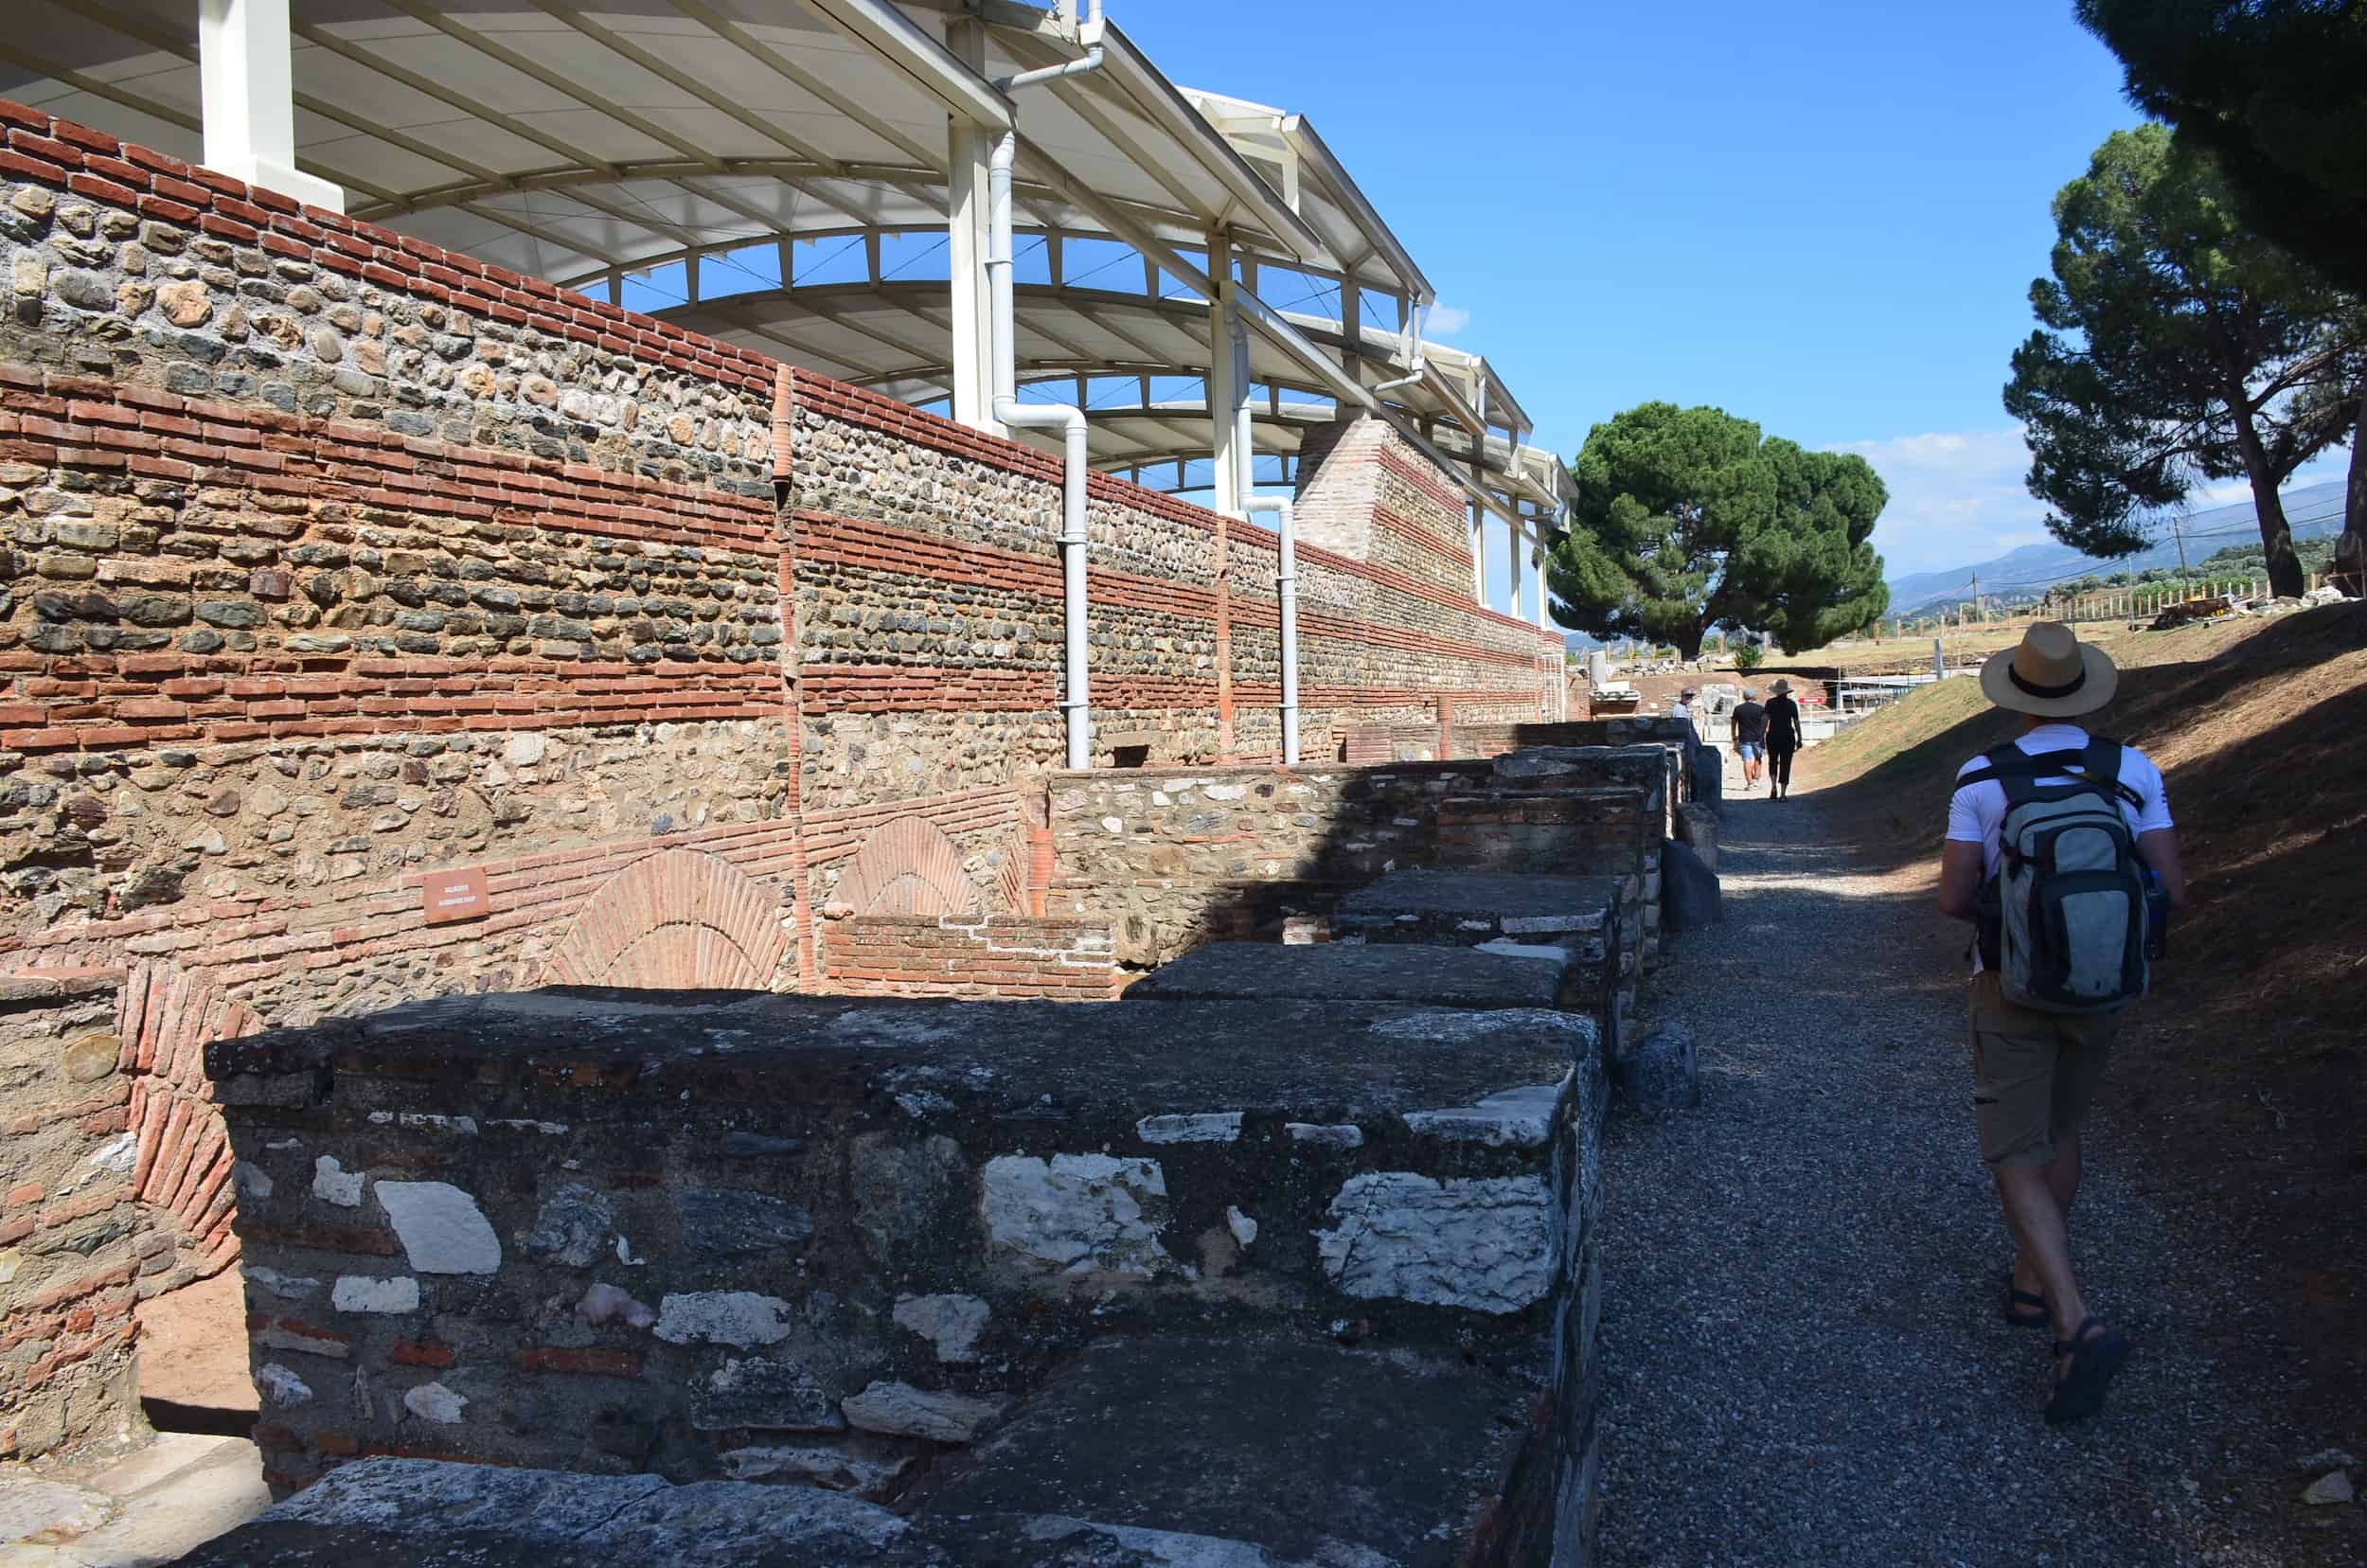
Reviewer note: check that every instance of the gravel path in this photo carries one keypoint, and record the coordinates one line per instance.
(1804, 1276)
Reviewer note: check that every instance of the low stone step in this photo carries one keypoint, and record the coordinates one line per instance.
(1355, 972)
(1571, 974)
(1467, 908)
(1312, 1449)
(1599, 920)
(411, 1513)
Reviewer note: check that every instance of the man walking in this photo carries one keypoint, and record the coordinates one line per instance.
(1749, 724)
(1782, 737)
(2065, 901)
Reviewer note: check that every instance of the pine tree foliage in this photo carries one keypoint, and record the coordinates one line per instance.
(2175, 344)
(1685, 520)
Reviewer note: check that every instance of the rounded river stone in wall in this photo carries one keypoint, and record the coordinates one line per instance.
(92, 1057)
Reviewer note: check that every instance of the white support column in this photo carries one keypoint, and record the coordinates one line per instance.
(965, 249)
(1352, 329)
(1544, 619)
(1228, 389)
(1479, 554)
(247, 92)
(1479, 513)
(1513, 547)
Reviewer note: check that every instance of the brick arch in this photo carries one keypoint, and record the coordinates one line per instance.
(908, 867)
(166, 1018)
(680, 919)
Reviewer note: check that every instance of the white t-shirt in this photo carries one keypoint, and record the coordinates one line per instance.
(1976, 813)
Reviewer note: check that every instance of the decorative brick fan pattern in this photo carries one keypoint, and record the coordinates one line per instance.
(680, 919)
(908, 867)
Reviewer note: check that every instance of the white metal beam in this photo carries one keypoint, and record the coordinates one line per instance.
(1228, 387)
(805, 81)
(1543, 619)
(966, 247)
(1128, 72)
(1261, 317)
(658, 65)
(897, 40)
(1513, 551)
(247, 87)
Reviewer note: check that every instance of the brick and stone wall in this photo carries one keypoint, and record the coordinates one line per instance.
(831, 1240)
(72, 1238)
(339, 564)
(978, 957)
(929, 613)
(336, 559)
(377, 624)
(1366, 493)
(1172, 858)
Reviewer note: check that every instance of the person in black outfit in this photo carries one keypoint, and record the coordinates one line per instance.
(1782, 737)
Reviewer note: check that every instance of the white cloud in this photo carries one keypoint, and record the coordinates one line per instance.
(1955, 497)
(1445, 321)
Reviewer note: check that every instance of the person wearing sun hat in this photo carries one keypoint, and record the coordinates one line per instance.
(1749, 725)
(1782, 739)
(2035, 1072)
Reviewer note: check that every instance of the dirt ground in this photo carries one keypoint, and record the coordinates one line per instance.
(2244, 1075)
(193, 1346)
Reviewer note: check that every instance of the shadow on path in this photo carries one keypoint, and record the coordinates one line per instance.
(1804, 1279)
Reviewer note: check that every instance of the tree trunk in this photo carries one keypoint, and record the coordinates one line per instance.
(2276, 536)
(2350, 551)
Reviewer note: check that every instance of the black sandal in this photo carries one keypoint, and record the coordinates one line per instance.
(2079, 1393)
(2017, 1300)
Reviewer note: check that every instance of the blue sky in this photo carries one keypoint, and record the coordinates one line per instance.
(1823, 215)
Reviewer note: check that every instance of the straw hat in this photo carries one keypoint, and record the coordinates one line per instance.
(1780, 688)
(2051, 674)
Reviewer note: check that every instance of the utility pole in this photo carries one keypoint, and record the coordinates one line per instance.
(2178, 528)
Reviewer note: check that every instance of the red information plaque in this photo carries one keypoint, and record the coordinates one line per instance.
(457, 895)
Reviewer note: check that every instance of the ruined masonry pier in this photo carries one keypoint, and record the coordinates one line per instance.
(951, 1253)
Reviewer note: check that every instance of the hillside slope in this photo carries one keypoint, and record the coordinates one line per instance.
(2245, 1075)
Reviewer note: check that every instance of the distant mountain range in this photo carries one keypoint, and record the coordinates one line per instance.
(2313, 511)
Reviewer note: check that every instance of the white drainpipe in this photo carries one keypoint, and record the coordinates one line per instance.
(1076, 702)
(1286, 580)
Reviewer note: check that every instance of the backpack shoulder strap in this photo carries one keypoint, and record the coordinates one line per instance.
(2008, 766)
(2101, 762)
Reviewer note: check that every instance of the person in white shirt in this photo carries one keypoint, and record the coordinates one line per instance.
(2034, 1073)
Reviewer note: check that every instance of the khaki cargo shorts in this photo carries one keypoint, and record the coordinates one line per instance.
(2033, 1072)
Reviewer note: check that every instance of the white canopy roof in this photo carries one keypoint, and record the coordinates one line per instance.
(583, 140)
